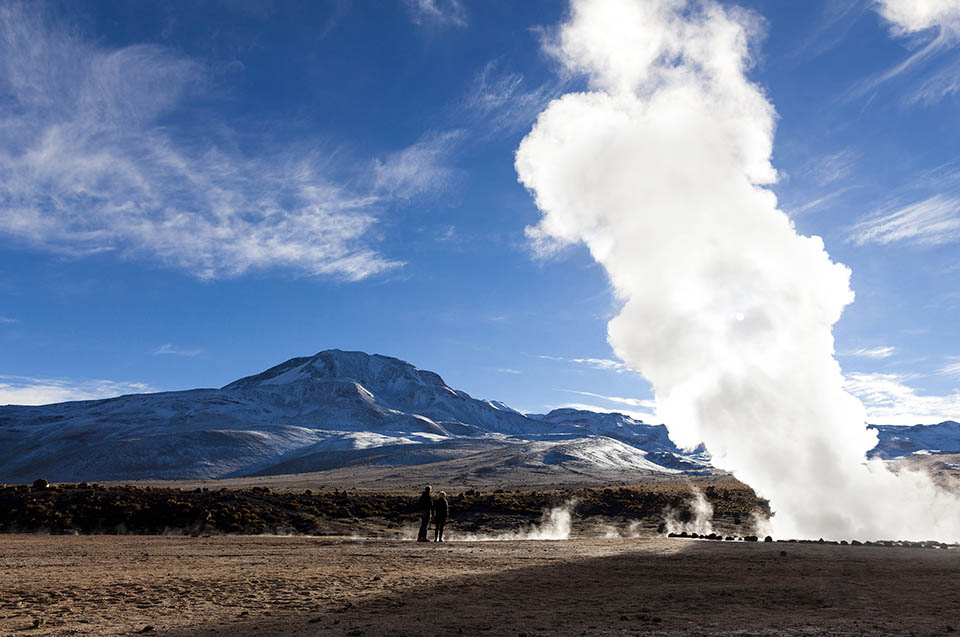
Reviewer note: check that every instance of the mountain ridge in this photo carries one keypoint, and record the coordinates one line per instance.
(334, 410)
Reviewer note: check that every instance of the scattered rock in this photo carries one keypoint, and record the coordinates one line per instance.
(768, 539)
(37, 622)
(40, 484)
(145, 630)
(315, 620)
(783, 553)
(751, 538)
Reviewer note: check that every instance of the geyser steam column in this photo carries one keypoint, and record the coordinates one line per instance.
(660, 171)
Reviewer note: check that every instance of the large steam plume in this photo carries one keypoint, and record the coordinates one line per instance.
(660, 170)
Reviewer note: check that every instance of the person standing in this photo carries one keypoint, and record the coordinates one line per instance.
(440, 510)
(425, 505)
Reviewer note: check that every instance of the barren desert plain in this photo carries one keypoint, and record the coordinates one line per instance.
(364, 576)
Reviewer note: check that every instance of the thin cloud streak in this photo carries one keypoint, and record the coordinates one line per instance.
(25, 390)
(168, 349)
(606, 364)
(437, 12)
(951, 369)
(506, 102)
(873, 352)
(632, 402)
(933, 221)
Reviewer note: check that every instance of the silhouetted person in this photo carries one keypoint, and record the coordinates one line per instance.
(440, 510)
(425, 506)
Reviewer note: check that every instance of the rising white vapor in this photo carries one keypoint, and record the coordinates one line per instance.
(660, 170)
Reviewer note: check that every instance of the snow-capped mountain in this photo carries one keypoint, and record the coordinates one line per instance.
(897, 442)
(330, 411)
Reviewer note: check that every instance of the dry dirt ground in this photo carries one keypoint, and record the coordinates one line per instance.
(257, 585)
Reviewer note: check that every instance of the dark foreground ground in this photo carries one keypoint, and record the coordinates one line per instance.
(250, 585)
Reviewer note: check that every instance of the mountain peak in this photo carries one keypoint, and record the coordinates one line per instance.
(373, 371)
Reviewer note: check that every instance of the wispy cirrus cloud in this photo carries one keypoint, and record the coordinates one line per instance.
(606, 364)
(437, 12)
(950, 369)
(6, 320)
(95, 159)
(632, 402)
(873, 352)
(889, 400)
(419, 168)
(506, 101)
(833, 167)
(933, 221)
(25, 390)
(168, 349)
(931, 29)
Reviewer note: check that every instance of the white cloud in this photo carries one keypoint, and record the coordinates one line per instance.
(437, 12)
(950, 369)
(932, 28)
(506, 101)
(890, 401)
(507, 370)
(930, 222)
(167, 349)
(6, 320)
(23, 390)
(834, 167)
(873, 352)
(911, 16)
(632, 402)
(416, 169)
(606, 364)
(602, 363)
(93, 161)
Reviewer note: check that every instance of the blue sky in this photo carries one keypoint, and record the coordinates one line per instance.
(193, 192)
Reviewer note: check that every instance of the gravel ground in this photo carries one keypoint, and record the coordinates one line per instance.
(237, 585)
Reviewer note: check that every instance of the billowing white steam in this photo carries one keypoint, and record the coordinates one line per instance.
(701, 516)
(660, 170)
(555, 524)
